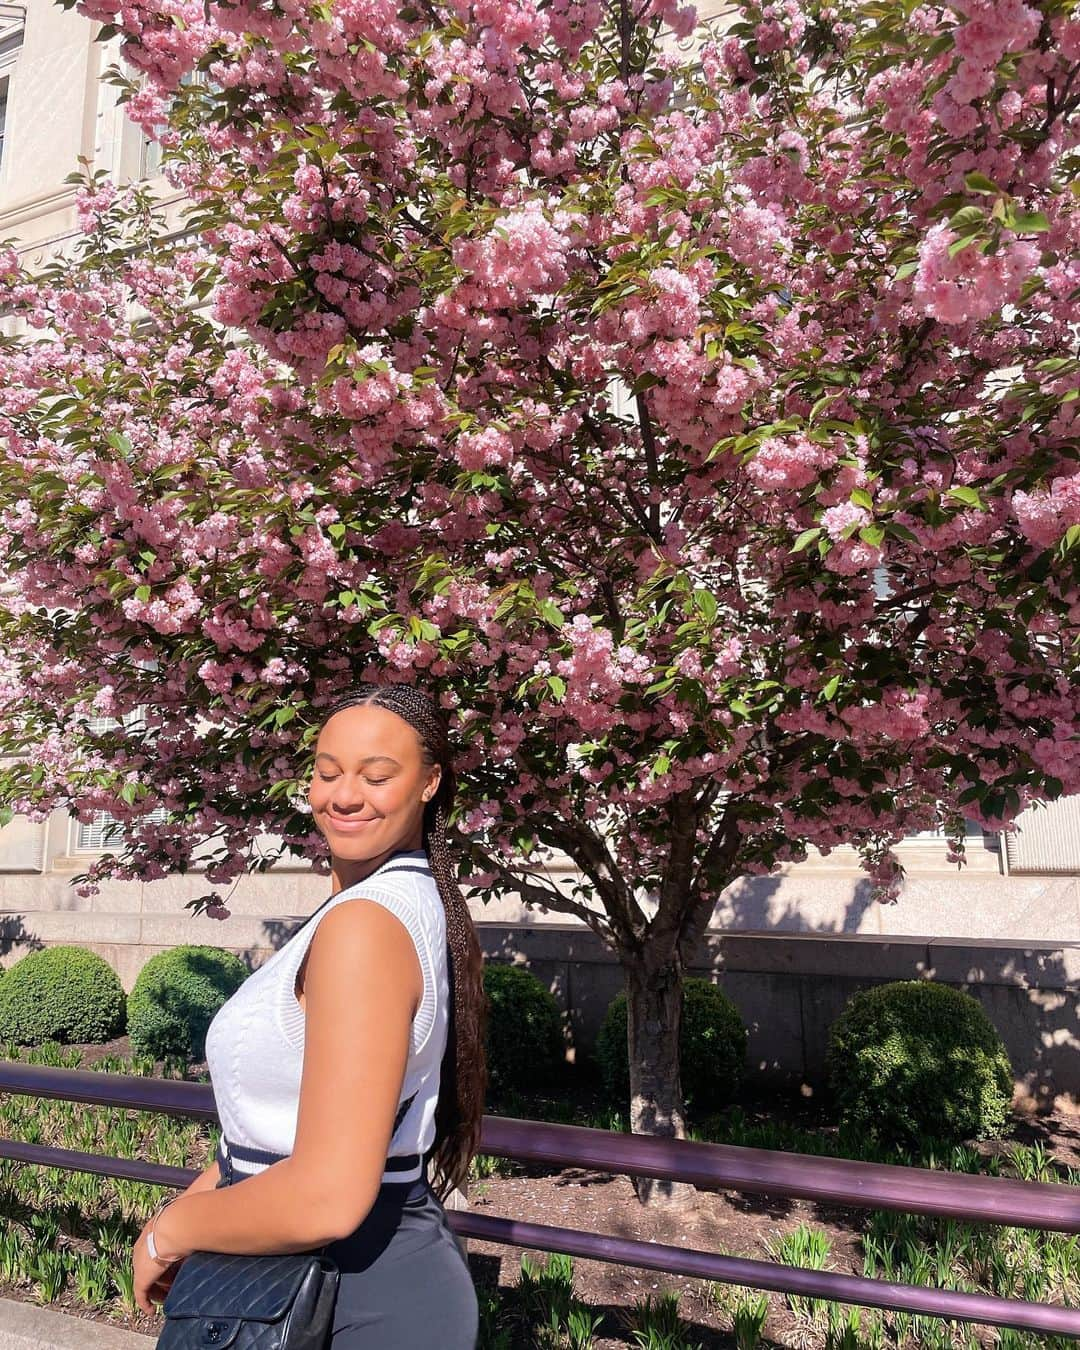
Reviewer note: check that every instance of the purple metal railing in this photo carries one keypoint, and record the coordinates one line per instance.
(833, 1181)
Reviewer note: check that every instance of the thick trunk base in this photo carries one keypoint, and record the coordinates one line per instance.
(677, 1196)
(654, 1016)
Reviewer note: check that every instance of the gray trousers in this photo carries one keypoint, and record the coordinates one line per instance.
(405, 1283)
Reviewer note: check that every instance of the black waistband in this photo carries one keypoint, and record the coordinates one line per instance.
(402, 1162)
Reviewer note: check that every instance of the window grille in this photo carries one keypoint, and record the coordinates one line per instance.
(101, 833)
(1046, 838)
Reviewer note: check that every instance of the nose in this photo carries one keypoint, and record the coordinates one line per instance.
(348, 804)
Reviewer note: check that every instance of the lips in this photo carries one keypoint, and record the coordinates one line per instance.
(347, 824)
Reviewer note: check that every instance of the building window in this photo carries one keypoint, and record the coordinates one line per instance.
(150, 150)
(1045, 838)
(150, 164)
(12, 24)
(3, 122)
(103, 832)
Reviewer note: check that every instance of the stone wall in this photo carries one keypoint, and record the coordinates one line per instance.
(789, 986)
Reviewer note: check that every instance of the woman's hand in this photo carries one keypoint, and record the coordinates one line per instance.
(152, 1279)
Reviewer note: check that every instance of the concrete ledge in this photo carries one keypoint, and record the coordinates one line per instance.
(821, 896)
(25, 1326)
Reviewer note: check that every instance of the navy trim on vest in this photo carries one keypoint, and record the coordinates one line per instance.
(399, 1162)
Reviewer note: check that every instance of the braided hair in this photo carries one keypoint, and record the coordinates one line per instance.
(463, 1075)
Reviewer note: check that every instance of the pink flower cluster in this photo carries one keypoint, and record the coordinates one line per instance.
(1044, 516)
(970, 285)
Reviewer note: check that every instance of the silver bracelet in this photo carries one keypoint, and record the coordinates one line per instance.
(151, 1245)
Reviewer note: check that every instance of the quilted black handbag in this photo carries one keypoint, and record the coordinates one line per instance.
(221, 1300)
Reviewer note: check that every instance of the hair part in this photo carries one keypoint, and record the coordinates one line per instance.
(463, 1073)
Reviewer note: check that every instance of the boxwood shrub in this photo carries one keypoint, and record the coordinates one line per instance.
(175, 997)
(65, 994)
(913, 1061)
(525, 1043)
(712, 1048)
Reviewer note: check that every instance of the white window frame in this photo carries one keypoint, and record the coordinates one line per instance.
(12, 27)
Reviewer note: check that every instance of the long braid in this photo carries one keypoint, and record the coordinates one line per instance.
(463, 1076)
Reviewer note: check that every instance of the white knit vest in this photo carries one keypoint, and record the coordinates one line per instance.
(255, 1043)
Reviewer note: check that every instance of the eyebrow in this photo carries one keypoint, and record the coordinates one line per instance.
(325, 754)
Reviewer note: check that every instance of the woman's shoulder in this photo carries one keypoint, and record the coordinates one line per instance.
(407, 888)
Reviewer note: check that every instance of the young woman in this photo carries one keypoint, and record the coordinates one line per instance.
(354, 1053)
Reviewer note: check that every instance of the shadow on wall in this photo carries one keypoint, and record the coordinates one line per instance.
(791, 987)
(15, 934)
(1031, 995)
(749, 905)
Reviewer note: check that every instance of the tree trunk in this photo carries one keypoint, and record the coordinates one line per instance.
(654, 1015)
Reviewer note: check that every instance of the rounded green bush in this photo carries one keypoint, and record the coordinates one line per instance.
(712, 1047)
(525, 1045)
(176, 996)
(65, 994)
(914, 1061)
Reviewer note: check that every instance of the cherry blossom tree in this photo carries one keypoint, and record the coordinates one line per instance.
(701, 423)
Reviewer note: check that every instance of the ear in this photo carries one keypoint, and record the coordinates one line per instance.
(433, 782)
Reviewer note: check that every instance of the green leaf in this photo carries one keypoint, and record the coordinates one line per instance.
(860, 497)
(830, 689)
(142, 593)
(1070, 539)
(557, 685)
(1027, 222)
(738, 706)
(822, 402)
(661, 686)
(968, 495)
(967, 219)
(705, 604)
(807, 537)
(978, 182)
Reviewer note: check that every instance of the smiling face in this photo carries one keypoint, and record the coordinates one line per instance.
(367, 790)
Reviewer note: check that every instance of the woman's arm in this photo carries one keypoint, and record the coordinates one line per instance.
(205, 1181)
(362, 988)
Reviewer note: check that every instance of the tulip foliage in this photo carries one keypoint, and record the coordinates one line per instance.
(694, 406)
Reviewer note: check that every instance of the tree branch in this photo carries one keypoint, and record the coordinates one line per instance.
(537, 893)
(627, 920)
(720, 853)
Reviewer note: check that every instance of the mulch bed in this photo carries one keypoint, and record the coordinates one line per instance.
(594, 1201)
